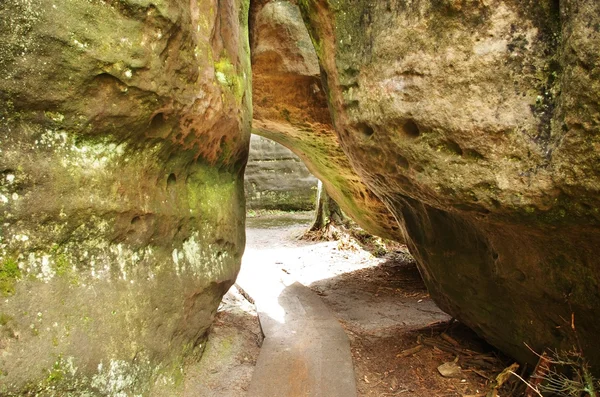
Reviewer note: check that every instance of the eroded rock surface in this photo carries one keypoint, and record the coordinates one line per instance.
(290, 107)
(124, 128)
(477, 122)
(276, 179)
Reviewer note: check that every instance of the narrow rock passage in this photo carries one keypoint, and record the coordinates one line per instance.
(304, 290)
(305, 352)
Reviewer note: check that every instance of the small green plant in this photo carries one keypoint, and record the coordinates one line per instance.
(569, 375)
(9, 273)
(4, 319)
(563, 373)
(56, 373)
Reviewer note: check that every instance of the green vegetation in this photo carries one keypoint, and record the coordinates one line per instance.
(63, 268)
(227, 77)
(253, 213)
(61, 265)
(4, 319)
(56, 373)
(9, 274)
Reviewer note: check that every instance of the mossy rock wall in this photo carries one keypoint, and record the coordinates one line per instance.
(478, 124)
(124, 131)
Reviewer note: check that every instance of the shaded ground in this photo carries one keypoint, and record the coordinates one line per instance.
(386, 311)
(230, 353)
(383, 306)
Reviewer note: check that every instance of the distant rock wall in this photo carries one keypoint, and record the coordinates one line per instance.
(276, 179)
(124, 130)
(478, 124)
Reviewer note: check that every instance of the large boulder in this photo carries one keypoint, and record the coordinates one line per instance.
(290, 107)
(124, 128)
(478, 123)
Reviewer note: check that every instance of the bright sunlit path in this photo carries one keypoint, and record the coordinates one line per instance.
(306, 351)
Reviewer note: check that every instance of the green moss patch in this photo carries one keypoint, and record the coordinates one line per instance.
(9, 274)
(228, 78)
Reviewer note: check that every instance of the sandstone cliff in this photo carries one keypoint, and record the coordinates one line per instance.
(290, 107)
(276, 179)
(124, 128)
(477, 123)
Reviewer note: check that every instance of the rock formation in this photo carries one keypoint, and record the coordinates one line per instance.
(290, 107)
(477, 123)
(469, 126)
(276, 179)
(124, 128)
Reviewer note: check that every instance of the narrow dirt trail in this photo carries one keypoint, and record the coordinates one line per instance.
(367, 293)
(381, 304)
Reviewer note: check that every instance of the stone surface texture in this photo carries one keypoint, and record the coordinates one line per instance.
(477, 123)
(124, 128)
(276, 179)
(290, 107)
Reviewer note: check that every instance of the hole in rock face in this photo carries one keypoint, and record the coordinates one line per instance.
(418, 168)
(453, 147)
(157, 121)
(171, 180)
(411, 129)
(106, 79)
(159, 126)
(473, 154)
(402, 162)
(105, 85)
(365, 130)
(135, 220)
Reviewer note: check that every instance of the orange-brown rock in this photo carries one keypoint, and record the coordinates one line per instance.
(290, 107)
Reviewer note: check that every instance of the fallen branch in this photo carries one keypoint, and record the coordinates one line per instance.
(244, 293)
(535, 390)
(449, 339)
(443, 346)
(484, 376)
(411, 351)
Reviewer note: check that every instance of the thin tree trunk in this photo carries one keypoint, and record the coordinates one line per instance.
(327, 212)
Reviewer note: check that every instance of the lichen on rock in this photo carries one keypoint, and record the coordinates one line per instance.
(476, 123)
(121, 191)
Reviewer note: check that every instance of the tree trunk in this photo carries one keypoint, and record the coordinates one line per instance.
(327, 212)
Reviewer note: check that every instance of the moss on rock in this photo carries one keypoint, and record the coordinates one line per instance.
(9, 274)
(477, 123)
(121, 192)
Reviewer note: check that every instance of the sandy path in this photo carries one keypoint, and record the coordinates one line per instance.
(381, 303)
